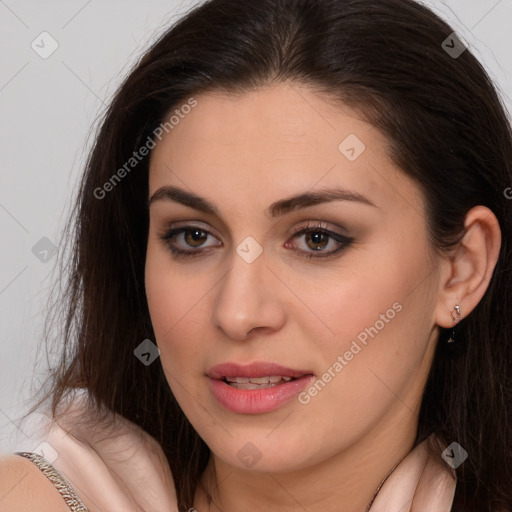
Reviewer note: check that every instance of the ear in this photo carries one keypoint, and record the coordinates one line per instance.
(468, 269)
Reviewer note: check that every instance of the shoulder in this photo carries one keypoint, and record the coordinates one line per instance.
(24, 488)
(112, 463)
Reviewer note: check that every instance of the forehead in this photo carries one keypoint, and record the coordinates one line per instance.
(273, 141)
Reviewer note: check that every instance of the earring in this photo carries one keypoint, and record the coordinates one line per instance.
(455, 314)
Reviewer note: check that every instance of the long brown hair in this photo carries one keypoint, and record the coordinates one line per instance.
(447, 129)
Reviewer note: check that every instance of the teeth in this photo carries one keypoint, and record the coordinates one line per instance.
(258, 380)
(240, 380)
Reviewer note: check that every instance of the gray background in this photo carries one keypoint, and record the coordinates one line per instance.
(49, 108)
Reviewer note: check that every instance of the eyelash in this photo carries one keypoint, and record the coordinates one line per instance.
(169, 236)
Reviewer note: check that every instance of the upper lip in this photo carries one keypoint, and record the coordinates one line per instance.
(256, 369)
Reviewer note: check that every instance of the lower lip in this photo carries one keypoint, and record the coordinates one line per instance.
(257, 401)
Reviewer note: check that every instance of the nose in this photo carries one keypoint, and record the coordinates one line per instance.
(248, 299)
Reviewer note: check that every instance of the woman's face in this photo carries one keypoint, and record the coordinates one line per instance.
(281, 267)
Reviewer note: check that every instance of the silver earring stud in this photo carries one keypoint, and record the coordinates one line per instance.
(455, 314)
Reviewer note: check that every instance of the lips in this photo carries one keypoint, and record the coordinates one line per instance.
(256, 388)
(254, 370)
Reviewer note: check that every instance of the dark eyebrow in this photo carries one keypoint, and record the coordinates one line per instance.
(277, 209)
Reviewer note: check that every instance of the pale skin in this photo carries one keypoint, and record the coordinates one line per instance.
(243, 153)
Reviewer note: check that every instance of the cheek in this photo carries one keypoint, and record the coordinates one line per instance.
(363, 302)
(177, 301)
(381, 319)
(169, 292)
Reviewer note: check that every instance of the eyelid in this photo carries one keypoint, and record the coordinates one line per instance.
(320, 225)
(191, 224)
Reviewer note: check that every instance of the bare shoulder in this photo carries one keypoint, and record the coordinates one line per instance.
(24, 488)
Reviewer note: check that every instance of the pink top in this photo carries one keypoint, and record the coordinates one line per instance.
(125, 470)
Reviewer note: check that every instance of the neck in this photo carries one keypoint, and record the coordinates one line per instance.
(348, 480)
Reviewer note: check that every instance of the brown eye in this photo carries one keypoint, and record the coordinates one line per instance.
(182, 241)
(317, 240)
(195, 237)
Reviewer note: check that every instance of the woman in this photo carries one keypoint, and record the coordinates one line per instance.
(290, 286)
